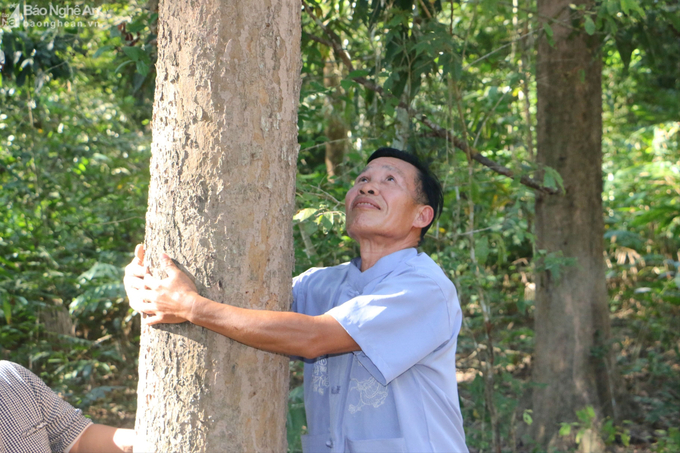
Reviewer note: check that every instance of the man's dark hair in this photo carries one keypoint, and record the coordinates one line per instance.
(430, 191)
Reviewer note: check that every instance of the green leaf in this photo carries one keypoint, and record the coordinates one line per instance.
(590, 410)
(136, 54)
(304, 214)
(122, 65)
(626, 6)
(549, 34)
(347, 84)
(136, 26)
(422, 46)
(358, 73)
(142, 67)
(635, 6)
(590, 26)
(115, 33)
(579, 435)
(612, 7)
(101, 50)
(326, 222)
(632, 5)
(396, 20)
(552, 178)
(7, 308)
(548, 29)
(482, 249)
(99, 270)
(549, 180)
(586, 415)
(565, 429)
(625, 438)
(526, 416)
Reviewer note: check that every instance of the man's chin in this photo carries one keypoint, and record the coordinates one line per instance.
(359, 231)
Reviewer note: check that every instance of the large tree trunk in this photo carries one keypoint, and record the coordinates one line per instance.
(220, 202)
(572, 365)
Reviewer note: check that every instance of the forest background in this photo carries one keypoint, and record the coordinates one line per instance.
(75, 108)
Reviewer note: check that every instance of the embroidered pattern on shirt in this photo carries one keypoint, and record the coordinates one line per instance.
(371, 393)
(320, 376)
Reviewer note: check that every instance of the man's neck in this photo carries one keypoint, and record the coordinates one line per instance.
(371, 250)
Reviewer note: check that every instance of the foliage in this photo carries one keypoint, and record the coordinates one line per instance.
(73, 172)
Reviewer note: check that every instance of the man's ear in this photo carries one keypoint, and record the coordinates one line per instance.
(424, 217)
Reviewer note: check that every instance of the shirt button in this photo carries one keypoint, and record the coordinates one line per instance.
(329, 443)
(335, 389)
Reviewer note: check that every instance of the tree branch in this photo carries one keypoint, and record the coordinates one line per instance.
(334, 43)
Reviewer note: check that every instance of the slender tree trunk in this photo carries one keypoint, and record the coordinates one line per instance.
(572, 364)
(220, 202)
(402, 121)
(336, 126)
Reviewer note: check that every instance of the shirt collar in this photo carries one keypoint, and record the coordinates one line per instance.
(383, 266)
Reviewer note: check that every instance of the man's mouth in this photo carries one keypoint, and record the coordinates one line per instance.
(365, 203)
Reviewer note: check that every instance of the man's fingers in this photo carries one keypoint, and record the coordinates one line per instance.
(151, 320)
(139, 253)
(169, 266)
(148, 295)
(136, 270)
(151, 282)
(138, 305)
(133, 282)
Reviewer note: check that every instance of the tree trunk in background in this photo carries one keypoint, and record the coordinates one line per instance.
(220, 202)
(402, 121)
(572, 366)
(336, 126)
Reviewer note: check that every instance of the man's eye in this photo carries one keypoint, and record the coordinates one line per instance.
(390, 178)
(362, 179)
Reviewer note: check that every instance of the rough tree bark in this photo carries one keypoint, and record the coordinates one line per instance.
(572, 365)
(220, 203)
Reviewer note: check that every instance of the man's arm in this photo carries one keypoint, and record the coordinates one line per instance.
(175, 299)
(104, 439)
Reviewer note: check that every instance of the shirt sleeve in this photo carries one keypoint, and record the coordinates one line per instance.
(63, 422)
(300, 287)
(403, 320)
(298, 302)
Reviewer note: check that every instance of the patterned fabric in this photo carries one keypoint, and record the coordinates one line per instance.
(33, 419)
(399, 392)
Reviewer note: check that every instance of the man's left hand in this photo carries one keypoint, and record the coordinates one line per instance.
(169, 300)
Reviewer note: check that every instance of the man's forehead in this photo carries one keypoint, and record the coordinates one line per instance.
(392, 164)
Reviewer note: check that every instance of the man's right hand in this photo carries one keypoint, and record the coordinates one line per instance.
(134, 276)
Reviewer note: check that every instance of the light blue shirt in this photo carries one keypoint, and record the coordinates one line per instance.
(399, 393)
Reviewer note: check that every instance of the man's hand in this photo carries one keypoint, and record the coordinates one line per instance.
(167, 300)
(134, 277)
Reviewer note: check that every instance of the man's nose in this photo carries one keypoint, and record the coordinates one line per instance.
(368, 187)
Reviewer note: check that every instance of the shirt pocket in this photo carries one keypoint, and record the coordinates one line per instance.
(393, 445)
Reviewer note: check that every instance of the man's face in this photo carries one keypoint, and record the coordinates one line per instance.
(382, 202)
